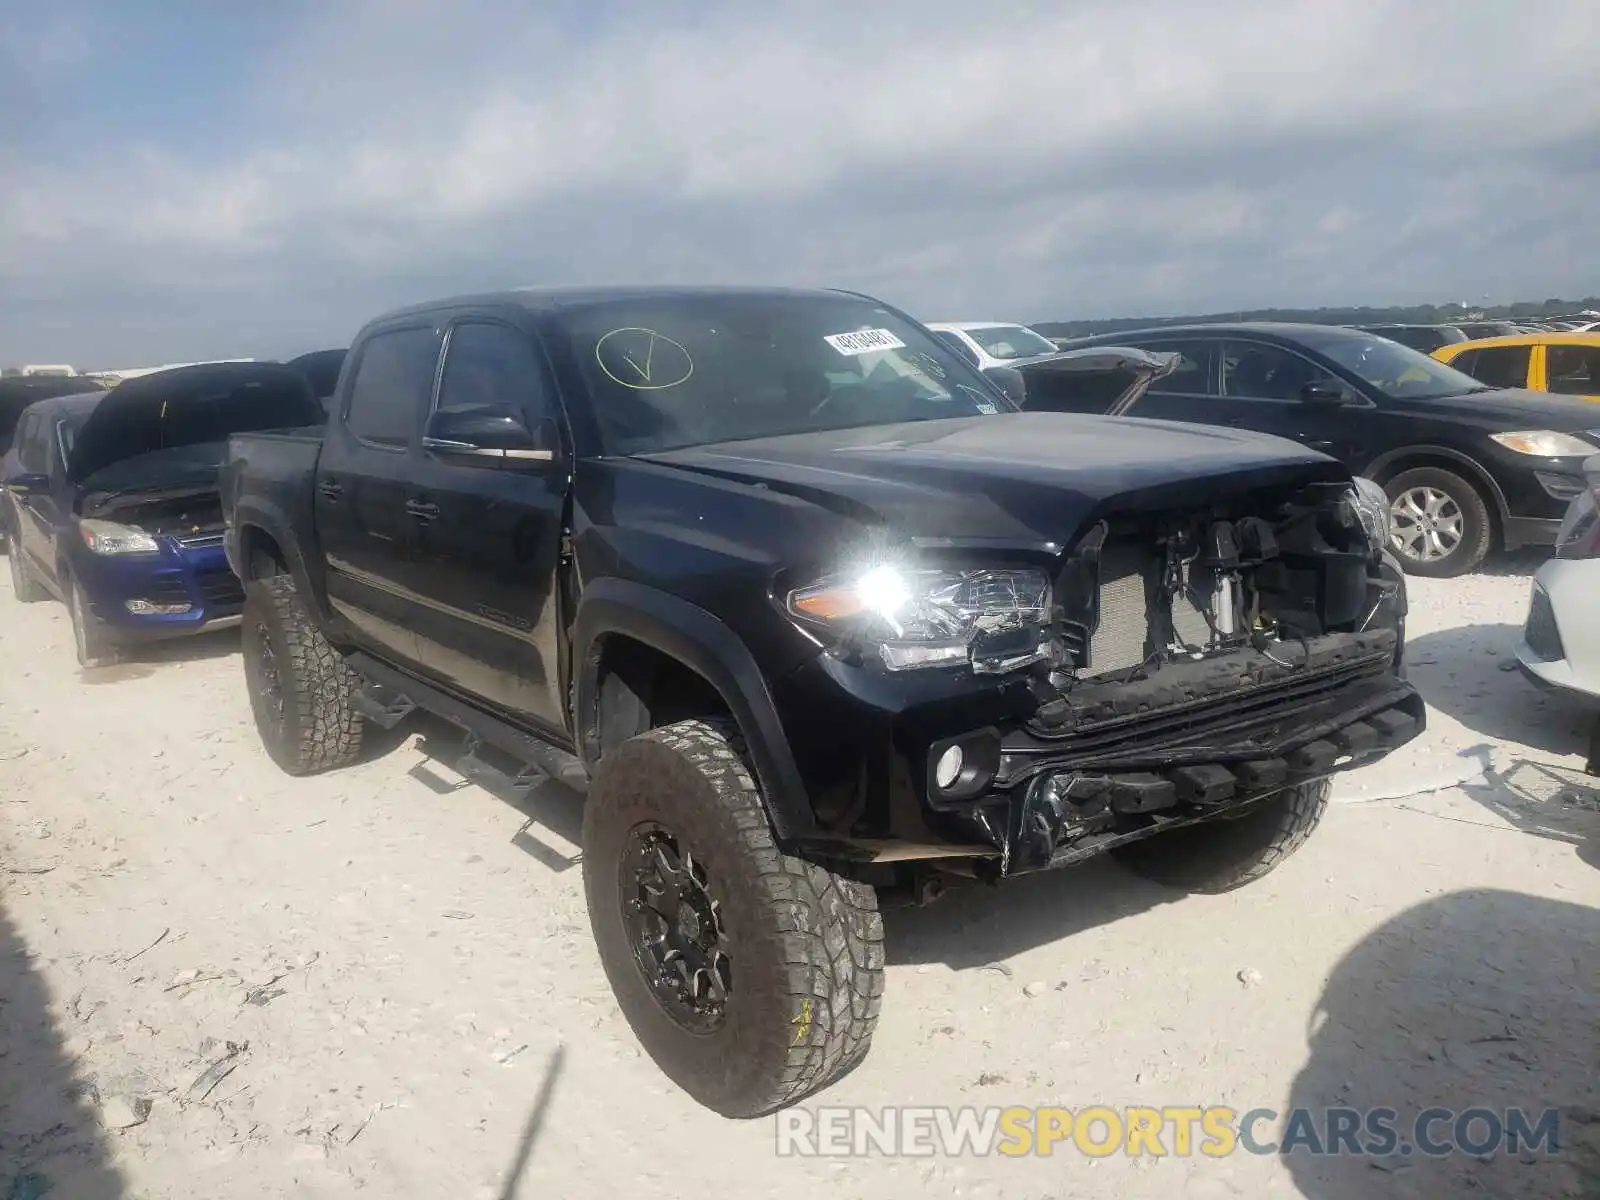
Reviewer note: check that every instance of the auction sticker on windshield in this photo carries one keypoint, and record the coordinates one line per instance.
(864, 341)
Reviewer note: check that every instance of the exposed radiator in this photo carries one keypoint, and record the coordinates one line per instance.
(1118, 644)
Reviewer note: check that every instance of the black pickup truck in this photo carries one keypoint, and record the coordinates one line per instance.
(814, 616)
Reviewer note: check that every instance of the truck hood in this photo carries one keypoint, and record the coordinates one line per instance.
(1026, 478)
(188, 406)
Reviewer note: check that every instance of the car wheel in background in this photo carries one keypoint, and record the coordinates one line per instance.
(1229, 852)
(24, 586)
(302, 692)
(751, 977)
(1441, 522)
(90, 638)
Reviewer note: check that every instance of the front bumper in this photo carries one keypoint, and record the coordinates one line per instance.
(1050, 778)
(1560, 644)
(192, 576)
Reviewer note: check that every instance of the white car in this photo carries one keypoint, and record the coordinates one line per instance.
(994, 343)
(1560, 647)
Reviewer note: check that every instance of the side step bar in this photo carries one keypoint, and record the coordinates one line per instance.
(390, 696)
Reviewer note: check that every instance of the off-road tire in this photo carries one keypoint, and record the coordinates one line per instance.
(319, 728)
(1218, 856)
(91, 641)
(24, 586)
(807, 945)
(1477, 531)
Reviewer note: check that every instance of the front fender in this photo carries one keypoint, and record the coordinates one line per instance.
(697, 639)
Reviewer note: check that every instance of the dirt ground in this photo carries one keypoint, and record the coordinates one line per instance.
(216, 981)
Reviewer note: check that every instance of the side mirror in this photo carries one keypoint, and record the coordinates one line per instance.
(28, 483)
(1321, 392)
(1010, 381)
(488, 437)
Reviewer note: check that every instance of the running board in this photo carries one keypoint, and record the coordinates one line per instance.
(388, 692)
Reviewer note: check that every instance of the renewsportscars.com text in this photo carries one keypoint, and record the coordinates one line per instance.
(1100, 1131)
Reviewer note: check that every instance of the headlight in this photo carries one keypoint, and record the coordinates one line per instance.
(996, 620)
(1545, 443)
(107, 537)
(1372, 505)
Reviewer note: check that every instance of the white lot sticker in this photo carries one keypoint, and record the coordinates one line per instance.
(985, 408)
(864, 341)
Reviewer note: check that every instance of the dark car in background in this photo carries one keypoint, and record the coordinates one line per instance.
(19, 391)
(321, 369)
(1426, 338)
(112, 506)
(1466, 466)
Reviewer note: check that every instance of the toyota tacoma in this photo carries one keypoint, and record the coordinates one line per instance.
(814, 617)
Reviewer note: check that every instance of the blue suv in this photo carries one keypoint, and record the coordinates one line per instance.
(112, 505)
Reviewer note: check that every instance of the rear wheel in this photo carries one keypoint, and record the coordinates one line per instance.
(24, 586)
(302, 692)
(1441, 522)
(90, 638)
(1218, 856)
(750, 976)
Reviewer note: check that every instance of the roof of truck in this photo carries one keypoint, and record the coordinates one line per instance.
(547, 299)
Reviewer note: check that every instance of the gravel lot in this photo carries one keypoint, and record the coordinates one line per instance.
(217, 981)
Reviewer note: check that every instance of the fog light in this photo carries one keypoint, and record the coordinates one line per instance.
(948, 769)
(149, 608)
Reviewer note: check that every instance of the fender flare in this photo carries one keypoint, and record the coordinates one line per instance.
(268, 518)
(694, 637)
(1474, 471)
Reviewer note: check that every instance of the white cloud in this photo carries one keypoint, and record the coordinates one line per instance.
(1027, 160)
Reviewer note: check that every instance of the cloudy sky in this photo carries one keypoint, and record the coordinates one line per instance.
(181, 181)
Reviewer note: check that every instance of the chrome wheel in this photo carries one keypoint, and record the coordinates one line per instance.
(1428, 524)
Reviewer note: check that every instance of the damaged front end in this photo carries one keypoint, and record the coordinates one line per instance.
(1187, 663)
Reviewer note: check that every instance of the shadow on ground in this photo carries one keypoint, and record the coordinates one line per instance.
(1481, 999)
(140, 661)
(51, 1144)
(976, 924)
(1462, 673)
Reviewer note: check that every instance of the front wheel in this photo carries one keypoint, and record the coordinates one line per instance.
(302, 692)
(90, 638)
(750, 976)
(1441, 522)
(1226, 853)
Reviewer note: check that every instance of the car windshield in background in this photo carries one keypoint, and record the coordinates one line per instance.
(692, 370)
(1010, 341)
(1393, 369)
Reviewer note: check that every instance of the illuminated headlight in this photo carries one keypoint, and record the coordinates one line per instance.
(1372, 505)
(994, 620)
(107, 537)
(1544, 443)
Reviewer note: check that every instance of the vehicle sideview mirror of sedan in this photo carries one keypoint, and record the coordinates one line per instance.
(28, 483)
(488, 436)
(1322, 392)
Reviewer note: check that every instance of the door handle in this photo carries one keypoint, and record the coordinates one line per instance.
(422, 510)
(331, 489)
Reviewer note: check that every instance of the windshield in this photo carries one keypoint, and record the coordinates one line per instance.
(197, 463)
(1393, 369)
(674, 371)
(1010, 341)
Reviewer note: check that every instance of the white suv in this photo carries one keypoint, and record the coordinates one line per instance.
(994, 343)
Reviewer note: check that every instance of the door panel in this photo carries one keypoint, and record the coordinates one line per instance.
(362, 485)
(487, 540)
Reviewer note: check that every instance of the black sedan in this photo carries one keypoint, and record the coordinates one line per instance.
(1466, 467)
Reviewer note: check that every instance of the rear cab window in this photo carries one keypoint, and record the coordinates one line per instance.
(392, 385)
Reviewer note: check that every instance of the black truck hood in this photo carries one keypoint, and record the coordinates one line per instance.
(1018, 478)
(188, 406)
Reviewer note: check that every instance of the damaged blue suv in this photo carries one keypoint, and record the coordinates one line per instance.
(111, 501)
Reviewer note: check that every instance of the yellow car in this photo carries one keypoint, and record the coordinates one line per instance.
(1565, 363)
